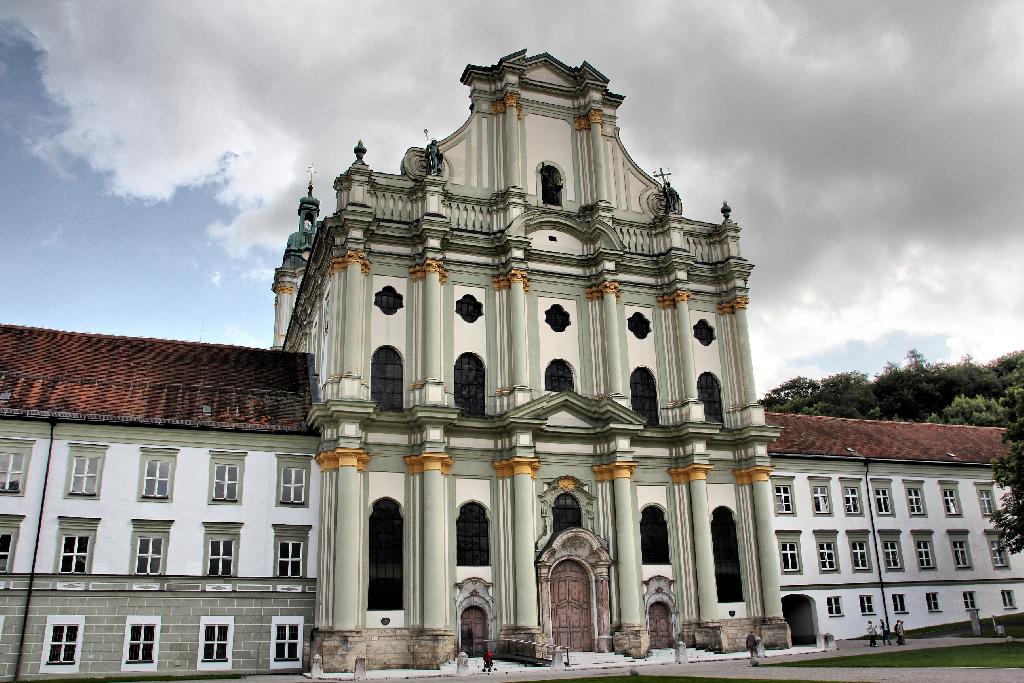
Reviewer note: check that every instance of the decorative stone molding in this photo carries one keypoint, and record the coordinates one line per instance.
(475, 592)
(340, 263)
(342, 457)
(622, 469)
(510, 100)
(752, 474)
(606, 287)
(517, 465)
(427, 462)
(659, 589)
(585, 121)
(284, 289)
(683, 475)
(556, 487)
(515, 275)
(430, 265)
(732, 305)
(670, 300)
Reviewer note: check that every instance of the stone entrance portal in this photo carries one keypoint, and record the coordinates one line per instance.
(572, 613)
(659, 623)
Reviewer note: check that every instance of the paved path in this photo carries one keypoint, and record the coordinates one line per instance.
(742, 669)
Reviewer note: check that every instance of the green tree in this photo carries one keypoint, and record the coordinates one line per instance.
(845, 394)
(979, 411)
(792, 396)
(1008, 472)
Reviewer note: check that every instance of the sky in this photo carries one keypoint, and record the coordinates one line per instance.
(152, 153)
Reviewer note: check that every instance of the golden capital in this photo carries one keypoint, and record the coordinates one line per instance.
(517, 465)
(283, 289)
(429, 462)
(510, 100)
(732, 305)
(606, 287)
(343, 457)
(694, 472)
(515, 275)
(621, 469)
(595, 116)
(581, 123)
(740, 302)
(725, 308)
(670, 300)
(430, 265)
(340, 263)
(753, 474)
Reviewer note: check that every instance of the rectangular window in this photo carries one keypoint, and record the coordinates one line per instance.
(949, 502)
(6, 542)
(790, 556)
(925, 560)
(867, 604)
(149, 555)
(783, 499)
(225, 482)
(289, 558)
(859, 554)
(891, 551)
(932, 600)
(1009, 601)
(961, 557)
(12, 466)
(85, 475)
(74, 555)
(998, 553)
(157, 483)
(222, 555)
(969, 602)
(851, 500)
(215, 642)
(827, 556)
(835, 605)
(915, 502)
(899, 603)
(821, 501)
(63, 645)
(986, 502)
(293, 485)
(883, 502)
(141, 643)
(286, 642)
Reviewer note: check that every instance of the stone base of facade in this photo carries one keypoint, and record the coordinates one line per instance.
(775, 634)
(687, 633)
(384, 648)
(633, 640)
(520, 635)
(730, 635)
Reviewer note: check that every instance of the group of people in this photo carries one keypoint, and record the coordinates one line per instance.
(883, 629)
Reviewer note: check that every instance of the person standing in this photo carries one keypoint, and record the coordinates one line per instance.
(900, 633)
(488, 661)
(886, 639)
(752, 647)
(872, 635)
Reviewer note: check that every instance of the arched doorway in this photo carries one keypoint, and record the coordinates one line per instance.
(659, 624)
(798, 610)
(572, 617)
(473, 631)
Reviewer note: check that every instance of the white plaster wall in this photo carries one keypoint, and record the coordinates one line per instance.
(642, 352)
(562, 243)
(471, 337)
(389, 330)
(721, 494)
(549, 139)
(478, 490)
(485, 573)
(564, 345)
(647, 495)
(707, 358)
(651, 570)
(387, 485)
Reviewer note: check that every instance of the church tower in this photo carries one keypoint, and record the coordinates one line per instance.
(296, 253)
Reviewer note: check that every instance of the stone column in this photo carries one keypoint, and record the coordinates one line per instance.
(510, 106)
(608, 293)
(595, 118)
(679, 302)
(355, 296)
(349, 463)
(344, 353)
(517, 281)
(749, 394)
(433, 275)
(284, 302)
(523, 471)
(768, 560)
(434, 467)
(703, 550)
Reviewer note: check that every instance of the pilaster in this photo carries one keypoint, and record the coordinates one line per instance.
(348, 274)
(523, 471)
(695, 476)
(286, 283)
(514, 285)
(607, 293)
(430, 276)
(677, 305)
(758, 478)
(749, 411)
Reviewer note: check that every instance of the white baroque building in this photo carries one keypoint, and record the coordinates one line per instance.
(511, 397)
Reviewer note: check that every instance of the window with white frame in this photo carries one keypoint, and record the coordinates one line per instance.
(932, 601)
(287, 644)
(289, 558)
(961, 554)
(62, 644)
(149, 555)
(1009, 601)
(12, 467)
(986, 501)
(925, 558)
(969, 601)
(790, 553)
(85, 475)
(883, 502)
(915, 501)
(950, 503)
(225, 482)
(822, 505)
(834, 603)
(899, 603)
(141, 644)
(74, 554)
(998, 553)
(867, 604)
(222, 557)
(783, 499)
(827, 556)
(157, 481)
(293, 485)
(6, 548)
(851, 500)
(891, 552)
(859, 555)
(216, 645)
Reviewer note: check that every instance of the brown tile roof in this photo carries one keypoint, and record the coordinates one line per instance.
(103, 378)
(813, 435)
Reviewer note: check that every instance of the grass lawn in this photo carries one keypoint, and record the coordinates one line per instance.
(988, 655)
(668, 679)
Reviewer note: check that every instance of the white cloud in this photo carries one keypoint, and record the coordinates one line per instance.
(215, 278)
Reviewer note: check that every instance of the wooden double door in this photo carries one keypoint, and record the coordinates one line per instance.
(572, 607)
(659, 624)
(473, 631)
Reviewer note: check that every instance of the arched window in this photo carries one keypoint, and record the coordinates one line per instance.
(472, 545)
(565, 513)
(653, 536)
(387, 386)
(727, 556)
(558, 376)
(644, 395)
(385, 571)
(709, 392)
(469, 384)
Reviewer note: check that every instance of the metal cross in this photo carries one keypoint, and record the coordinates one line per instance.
(312, 170)
(661, 173)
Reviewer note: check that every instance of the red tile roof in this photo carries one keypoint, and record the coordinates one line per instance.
(813, 435)
(102, 378)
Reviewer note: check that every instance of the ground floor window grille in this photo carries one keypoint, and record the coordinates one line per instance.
(222, 553)
(150, 555)
(286, 643)
(74, 557)
(63, 644)
(835, 605)
(867, 604)
(932, 599)
(289, 561)
(969, 602)
(141, 643)
(215, 643)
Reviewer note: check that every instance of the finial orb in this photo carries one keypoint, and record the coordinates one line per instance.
(360, 150)
(726, 210)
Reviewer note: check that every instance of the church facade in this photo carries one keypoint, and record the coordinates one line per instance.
(511, 404)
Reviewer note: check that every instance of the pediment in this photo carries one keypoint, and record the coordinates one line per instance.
(571, 410)
(548, 75)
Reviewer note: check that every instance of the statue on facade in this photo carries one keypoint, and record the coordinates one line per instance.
(673, 204)
(551, 185)
(435, 160)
